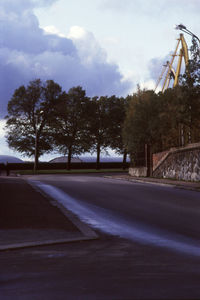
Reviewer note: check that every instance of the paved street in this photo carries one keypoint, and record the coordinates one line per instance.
(138, 211)
(148, 246)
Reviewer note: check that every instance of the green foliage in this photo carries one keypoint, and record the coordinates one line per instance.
(117, 113)
(29, 111)
(99, 121)
(191, 77)
(142, 123)
(42, 117)
(190, 88)
(169, 119)
(70, 125)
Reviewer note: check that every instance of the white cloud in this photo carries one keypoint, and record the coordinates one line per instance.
(148, 85)
(152, 7)
(53, 30)
(3, 145)
(28, 52)
(2, 125)
(77, 33)
(89, 50)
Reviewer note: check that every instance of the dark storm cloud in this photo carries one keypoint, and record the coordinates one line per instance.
(27, 52)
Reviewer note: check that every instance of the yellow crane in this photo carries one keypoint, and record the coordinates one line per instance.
(172, 73)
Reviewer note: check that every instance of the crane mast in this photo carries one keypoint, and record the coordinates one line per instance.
(173, 73)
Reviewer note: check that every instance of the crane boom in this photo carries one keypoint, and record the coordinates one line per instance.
(174, 73)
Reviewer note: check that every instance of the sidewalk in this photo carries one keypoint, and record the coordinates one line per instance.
(27, 218)
(189, 185)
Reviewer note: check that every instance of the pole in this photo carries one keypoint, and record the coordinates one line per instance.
(36, 144)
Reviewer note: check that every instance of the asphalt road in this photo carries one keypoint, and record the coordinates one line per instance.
(148, 247)
(149, 213)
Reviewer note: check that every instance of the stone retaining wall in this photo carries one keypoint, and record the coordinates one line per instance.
(159, 157)
(180, 163)
(138, 172)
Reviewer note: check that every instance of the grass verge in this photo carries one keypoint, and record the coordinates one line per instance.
(78, 171)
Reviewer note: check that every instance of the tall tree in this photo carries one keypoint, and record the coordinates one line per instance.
(192, 75)
(117, 112)
(141, 125)
(29, 111)
(170, 118)
(99, 122)
(190, 87)
(70, 124)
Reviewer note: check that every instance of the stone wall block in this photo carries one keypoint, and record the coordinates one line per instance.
(181, 163)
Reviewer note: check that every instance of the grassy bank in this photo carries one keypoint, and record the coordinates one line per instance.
(78, 171)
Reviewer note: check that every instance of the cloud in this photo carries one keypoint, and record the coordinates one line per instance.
(19, 5)
(88, 48)
(156, 66)
(2, 125)
(150, 7)
(28, 52)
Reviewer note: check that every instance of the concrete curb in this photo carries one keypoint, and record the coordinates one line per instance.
(44, 243)
(159, 183)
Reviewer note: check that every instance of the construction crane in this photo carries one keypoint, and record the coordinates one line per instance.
(172, 72)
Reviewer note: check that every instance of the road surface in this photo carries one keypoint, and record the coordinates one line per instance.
(151, 214)
(148, 247)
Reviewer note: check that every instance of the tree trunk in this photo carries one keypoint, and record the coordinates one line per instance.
(98, 157)
(36, 162)
(36, 153)
(124, 159)
(69, 159)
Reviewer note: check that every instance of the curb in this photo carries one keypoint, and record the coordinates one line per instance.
(44, 243)
(168, 184)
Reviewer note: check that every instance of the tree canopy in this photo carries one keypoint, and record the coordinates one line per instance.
(42, 118)
(141, 125)
(69, 126)
(29, 112)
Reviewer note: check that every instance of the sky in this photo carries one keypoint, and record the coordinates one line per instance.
(106, 46)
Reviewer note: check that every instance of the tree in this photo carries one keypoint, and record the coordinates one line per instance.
(191, 77)
(190, 87)
(99, 122)
(117, 112)
(29, 113)
(170, 118)
(70, 123)
(141, 124)
(180, 106)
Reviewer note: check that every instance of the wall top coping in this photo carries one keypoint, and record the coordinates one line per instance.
(184, 148)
